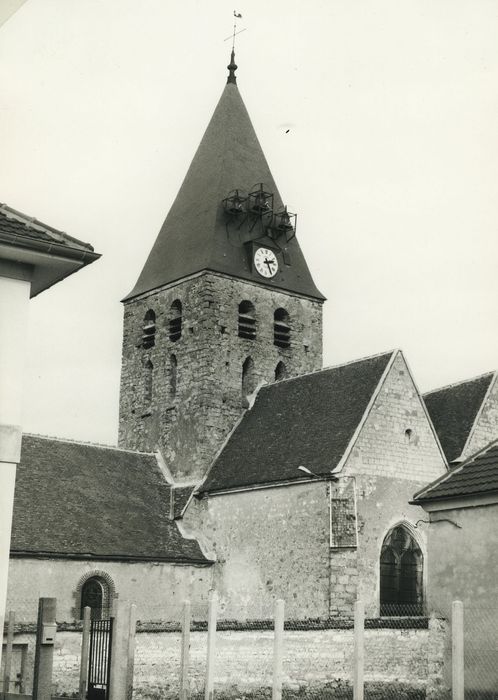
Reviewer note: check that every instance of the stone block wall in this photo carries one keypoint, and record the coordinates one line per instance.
(190, 414)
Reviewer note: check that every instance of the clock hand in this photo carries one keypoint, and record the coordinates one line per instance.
(269, 263)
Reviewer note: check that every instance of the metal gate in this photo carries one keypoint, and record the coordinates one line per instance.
(99, 662)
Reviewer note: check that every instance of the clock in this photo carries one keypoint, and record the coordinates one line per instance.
(265, 262)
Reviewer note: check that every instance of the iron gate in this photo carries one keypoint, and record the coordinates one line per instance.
(99, 662)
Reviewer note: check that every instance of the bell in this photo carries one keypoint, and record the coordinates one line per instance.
(283, 221)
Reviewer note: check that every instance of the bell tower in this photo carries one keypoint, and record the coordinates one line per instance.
(225, 301)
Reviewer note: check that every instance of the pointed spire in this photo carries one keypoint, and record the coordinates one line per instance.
(232, 67)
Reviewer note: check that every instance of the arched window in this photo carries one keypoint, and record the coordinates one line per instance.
(175, 321)
(247, 322)
(401, 574)
(149, 330)
(281, 328)
(148, 381)
(95, 595)
(280, 372)
(173, 365)
(248, 377)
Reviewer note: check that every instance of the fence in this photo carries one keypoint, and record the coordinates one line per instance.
(197, 653)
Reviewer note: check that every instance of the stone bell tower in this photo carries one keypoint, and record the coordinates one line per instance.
(224, 302)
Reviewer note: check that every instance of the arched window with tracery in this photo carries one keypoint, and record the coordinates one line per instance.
(175, 321)
(247, 320)
(281, 372)
(95, 595)
(281, 328)
(149, 330)
(401, 574)
(248, 377)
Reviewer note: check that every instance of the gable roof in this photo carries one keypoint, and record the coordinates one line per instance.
(195, 236)
(477, 476)
(51, 254)
(304, 421)
(454, 409)
(88, 501)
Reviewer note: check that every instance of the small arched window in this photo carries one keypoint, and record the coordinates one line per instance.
(247, 321)
(173, 370)
(148, 382)
(95, 595)
(280, 372)
(281, 328)
(401, 574)
(175, 322)
(248, 377)
(149, 330)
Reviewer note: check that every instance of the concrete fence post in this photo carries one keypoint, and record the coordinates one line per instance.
(8, 653)
(457, 651)
(185, 658)
(120, 680)
(359, 650)
(132, 628)
(85, 649)
(44, 649)
(278, 649)
(211, 645)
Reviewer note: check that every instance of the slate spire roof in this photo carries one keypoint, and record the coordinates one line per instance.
(454, 410)
(195, 236)
(310, 420)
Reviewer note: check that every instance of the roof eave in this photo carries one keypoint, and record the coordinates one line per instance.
(81, 556)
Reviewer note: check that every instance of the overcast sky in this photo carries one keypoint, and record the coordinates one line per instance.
(390, 160)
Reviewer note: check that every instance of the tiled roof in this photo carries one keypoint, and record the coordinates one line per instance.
(305, 421)
(195, 235)
(24, 239)
(477, 476)
(453, 411)
(77, 499)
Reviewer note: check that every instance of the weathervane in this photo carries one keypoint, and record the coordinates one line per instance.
(237, 16)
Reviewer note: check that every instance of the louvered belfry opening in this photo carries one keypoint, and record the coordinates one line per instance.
(401, 575)
(149, 330)
(247, 320)
(175, 322)
(281, 328)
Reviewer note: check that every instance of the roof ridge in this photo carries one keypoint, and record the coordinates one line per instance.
(458, 383)
(328, 368)
(35, 224)
(88, 443)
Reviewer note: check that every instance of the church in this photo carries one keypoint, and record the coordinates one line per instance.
(243, 465)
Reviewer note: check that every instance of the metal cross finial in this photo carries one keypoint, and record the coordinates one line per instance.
(236, 16)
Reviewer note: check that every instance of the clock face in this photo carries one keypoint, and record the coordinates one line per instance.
(265, 262)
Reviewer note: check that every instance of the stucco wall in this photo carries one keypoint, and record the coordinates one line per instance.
(190, 427)
(463, 565)
(154, 588)
(269, 543)
(486, 427)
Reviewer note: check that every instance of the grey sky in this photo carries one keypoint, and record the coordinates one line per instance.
(391, 162)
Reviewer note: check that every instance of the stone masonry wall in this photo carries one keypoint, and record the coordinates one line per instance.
(389, 464)
(191, 424)
(486, 428)
(314, 661)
